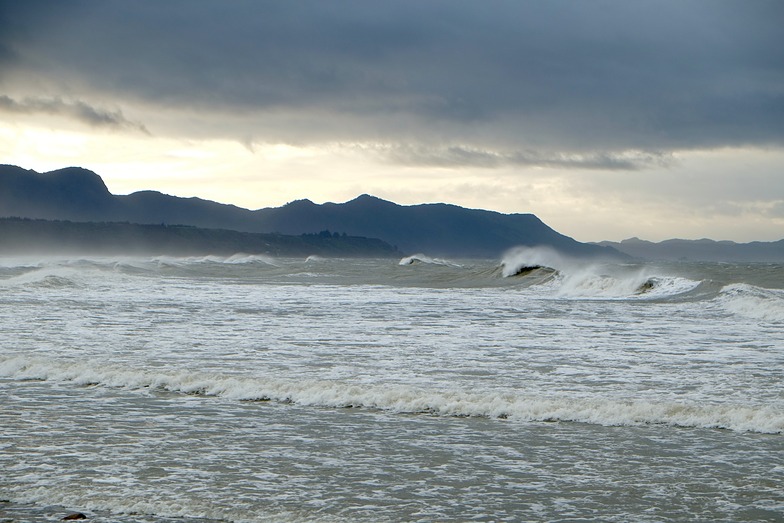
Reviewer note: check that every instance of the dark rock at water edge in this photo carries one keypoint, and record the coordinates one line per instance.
(11, 512)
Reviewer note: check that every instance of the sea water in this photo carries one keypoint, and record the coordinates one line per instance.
(530, 388)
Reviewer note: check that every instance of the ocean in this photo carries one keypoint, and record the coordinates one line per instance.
(254, 389)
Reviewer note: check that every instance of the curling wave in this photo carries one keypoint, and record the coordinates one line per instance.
(525, 259)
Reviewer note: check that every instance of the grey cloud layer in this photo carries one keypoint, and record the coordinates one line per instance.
(568, 80)
(77, 110)
(456, 156)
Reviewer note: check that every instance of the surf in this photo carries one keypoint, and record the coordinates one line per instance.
(523, 406)
(422, 258)
(589, 279)
(753, 302)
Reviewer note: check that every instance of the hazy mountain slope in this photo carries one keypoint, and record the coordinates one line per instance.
(27, 236)
(155, 207)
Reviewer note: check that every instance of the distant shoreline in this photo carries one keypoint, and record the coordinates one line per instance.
(701, 250)
(38, 236)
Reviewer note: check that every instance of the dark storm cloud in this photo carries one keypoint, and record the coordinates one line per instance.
(560, 78)
(77, 110)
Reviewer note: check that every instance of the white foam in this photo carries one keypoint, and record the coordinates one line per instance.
(234, 259)
(407, 399)
(576, 279)
(184, 506)
(421, 258)
(753, 302)
(663, 286)
(250, 258)
(587, 284)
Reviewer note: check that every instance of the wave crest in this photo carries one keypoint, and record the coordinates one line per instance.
(753, 302)
(587, 284)
(522, 259)
(44, 277)
(421, 258)
(575, 278)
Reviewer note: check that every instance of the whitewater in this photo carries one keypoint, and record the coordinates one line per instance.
(529, 388)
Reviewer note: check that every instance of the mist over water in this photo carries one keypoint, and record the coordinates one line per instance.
(248, 388)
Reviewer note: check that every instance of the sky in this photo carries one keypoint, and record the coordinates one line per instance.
(606, 119)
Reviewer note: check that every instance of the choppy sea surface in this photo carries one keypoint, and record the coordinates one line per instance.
(531, 388)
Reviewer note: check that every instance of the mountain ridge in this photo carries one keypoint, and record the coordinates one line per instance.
(77, 194)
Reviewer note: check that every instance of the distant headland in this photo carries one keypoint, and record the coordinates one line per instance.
(78, 195)
(86, 215)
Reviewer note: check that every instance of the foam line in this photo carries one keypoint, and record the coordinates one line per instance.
(406, 399)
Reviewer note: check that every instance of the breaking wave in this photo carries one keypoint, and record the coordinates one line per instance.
(44, 277)
(234, 259)
(576, 279)
(632, 286)
(405, 399)
(753, 302)
(421, 258)
(524, 259)
(539, 272)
